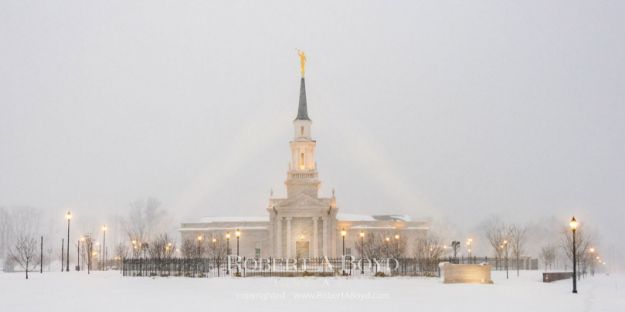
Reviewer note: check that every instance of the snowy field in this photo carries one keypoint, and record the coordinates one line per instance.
(108, 291)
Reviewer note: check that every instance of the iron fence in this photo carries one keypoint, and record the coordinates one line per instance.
(269, 267)
(276, 267)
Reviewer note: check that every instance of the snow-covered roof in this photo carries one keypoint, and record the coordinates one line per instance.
(417, 228)
(353, 217)
(210, 228)
(393, 217)
(232, 219)
(359, 217)
(371, 227)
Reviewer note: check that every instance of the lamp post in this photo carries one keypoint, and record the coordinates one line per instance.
(573, 225)
(228, 251)
(214, 246)
(592, 263)
(169, 250)
(78, 253)
(504, 246)
(68, 216)
(397, 239)
(343, 233)
(362, 252)
(104, 245)
(469, 244)
(199, 242)
(89, 248)
(237, 233)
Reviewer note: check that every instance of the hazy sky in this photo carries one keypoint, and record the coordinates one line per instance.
(443, 109)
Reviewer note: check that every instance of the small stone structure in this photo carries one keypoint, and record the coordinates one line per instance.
(556, 276)
(465, 273)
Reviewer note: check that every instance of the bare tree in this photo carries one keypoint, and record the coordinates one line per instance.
(144, 219)
(6, 225)
(496, 233)
(217, 249)
(161, 247)
(429, 247)
(548, 255)
(517, 236)
(121, 252)
(24, 252)
(189, 248)
(15, 222)
(380, 245)
(583, 241)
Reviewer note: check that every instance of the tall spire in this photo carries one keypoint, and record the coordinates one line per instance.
(302, 110)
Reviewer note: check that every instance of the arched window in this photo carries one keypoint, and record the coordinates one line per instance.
(301, 161)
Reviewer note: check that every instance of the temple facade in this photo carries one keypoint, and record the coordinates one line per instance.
(303, 224)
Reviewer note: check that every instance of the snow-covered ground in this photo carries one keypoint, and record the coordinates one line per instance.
(108, 291)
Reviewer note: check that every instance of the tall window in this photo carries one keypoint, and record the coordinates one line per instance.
(257, 253)
(301, 130)
(301, 161)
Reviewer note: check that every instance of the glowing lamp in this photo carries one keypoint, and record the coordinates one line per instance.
(573, 224)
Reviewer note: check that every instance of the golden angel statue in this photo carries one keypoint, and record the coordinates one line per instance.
(302, 61)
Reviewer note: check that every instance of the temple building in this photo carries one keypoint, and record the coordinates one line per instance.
(303, 224)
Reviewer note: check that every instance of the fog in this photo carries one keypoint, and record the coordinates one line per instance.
(449, 110)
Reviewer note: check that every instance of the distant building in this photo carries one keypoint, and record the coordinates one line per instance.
(303, 224)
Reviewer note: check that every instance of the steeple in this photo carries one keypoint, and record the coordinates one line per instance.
(302, 109)
(302, 174)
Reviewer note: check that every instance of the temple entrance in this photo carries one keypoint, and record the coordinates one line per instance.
(302, 249)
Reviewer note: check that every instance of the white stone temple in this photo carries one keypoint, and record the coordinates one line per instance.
(304, 225)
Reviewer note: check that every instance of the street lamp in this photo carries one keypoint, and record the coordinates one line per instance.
(592, 264)
(88, 253)
(68, 216)
(573, 225)
(505, 245)
(214, 246)
(469, 244)
(104, 246)
(397, 240)
(237, 233)
(199, 242)
(343, 233)
(362, 253)
(228, 250)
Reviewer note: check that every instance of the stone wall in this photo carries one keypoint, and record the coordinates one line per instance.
(556, 276)
(465, 273)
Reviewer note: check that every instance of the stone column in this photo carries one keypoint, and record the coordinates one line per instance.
(278, 238)
(325, 236)
(315, 238)
(288, 237)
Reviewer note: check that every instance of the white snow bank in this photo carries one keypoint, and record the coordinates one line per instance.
(109, 291)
